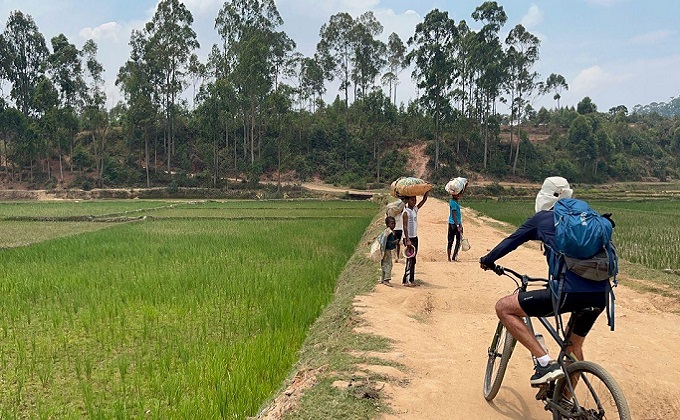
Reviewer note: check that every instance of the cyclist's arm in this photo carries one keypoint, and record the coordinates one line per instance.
(524, 233)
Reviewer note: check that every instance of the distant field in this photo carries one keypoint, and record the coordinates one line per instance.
(77, 208)
(195, 312)
(646, 233)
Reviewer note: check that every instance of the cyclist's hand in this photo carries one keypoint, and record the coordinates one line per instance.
(487, 266)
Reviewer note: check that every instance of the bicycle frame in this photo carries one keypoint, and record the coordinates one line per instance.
(545, 392)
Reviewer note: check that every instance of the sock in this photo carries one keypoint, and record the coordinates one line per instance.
(543, 360)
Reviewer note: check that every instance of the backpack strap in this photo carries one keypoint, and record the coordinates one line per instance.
(558, 270)
(610, 305)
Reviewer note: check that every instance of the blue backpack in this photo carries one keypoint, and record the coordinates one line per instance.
(583, 241)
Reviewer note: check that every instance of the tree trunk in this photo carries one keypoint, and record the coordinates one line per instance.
(146, 158)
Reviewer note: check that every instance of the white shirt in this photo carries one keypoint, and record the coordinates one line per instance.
(412, 221)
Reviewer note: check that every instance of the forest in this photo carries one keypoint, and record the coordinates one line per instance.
(254, 108)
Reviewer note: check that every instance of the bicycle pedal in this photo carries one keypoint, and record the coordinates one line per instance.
(544, 391)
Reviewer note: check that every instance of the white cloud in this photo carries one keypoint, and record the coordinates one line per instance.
(595, 79)
(109, 30)
(533, 17)
(652, 37)
(403, 24)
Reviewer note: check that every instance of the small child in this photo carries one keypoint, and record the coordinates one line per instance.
(390, 244)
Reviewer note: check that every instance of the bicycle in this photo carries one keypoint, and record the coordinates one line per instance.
(587, 391)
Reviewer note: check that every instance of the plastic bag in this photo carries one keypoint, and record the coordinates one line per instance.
(456, 186)
(376, 253)
(394, 209)
(465, 244)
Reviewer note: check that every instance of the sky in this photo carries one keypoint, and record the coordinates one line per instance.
(617, 52)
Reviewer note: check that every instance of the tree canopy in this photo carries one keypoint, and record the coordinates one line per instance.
(255, 107)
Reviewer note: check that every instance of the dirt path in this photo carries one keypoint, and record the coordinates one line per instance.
(442, 329)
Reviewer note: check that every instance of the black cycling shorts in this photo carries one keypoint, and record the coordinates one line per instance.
(538, 303)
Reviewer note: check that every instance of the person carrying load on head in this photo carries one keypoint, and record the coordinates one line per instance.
(410, 220)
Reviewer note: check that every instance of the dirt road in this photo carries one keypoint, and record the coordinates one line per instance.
(442, 329)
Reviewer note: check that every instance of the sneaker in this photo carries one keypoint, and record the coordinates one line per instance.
(545, 374)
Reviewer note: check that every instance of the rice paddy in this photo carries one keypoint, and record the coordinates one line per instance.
(195, 312)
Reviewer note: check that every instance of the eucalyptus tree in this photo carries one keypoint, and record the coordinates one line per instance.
(136, 82)
(66, 71)
(434, 43)
(464, 62)
(396, 63)
(215, 113)
(582, 142)
(12, 127)
(94, 116)
(489, 62)
(198, 73)
(283, 61)
(24, 53)
(252, 50)
(556, 83)
(311, 82)
(170, 44)
(278, 104)
(368, 59)
(335, 50)
(47, 125)
(522, 54)
(377, 120)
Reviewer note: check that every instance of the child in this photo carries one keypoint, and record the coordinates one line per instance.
(410, 217)
(390, 244)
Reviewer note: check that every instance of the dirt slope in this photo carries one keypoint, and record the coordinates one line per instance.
(442, 329)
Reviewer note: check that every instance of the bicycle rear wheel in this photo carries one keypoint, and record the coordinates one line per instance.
(598, 396)
(499, 354)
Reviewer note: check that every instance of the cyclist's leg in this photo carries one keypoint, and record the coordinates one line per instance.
(511, 310)
(575, 348)
(584, 321)
(510, 314)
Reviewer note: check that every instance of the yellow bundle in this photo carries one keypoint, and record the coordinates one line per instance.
(409, 187)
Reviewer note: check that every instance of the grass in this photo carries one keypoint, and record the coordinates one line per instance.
(166, 318)
(36, 209)
(332, 347)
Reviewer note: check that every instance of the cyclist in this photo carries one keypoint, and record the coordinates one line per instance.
(578, 293)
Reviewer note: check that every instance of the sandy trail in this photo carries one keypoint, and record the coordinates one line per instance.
(442, 329)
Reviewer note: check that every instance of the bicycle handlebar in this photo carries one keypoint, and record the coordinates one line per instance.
(500, 270)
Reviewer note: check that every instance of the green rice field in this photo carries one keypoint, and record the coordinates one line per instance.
(196, 311)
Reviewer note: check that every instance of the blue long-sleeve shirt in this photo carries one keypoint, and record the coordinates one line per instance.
(541, 227)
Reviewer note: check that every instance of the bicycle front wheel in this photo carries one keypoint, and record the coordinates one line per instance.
(596, 394)
(499, 354)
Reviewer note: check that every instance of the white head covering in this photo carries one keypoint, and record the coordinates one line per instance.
(554, 188)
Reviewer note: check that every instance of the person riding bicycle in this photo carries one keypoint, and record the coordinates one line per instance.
(578, 292)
